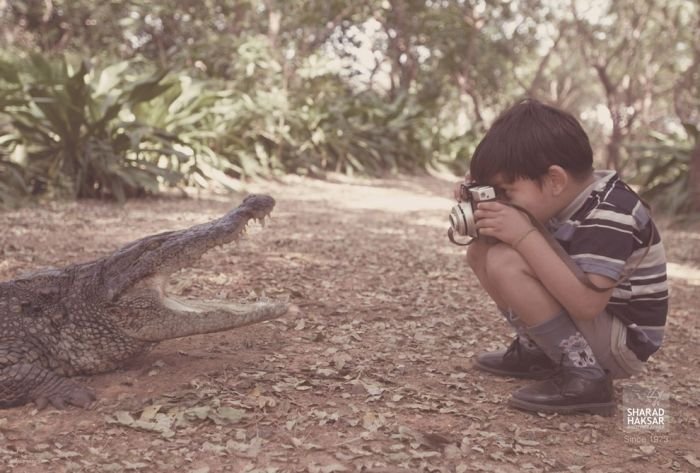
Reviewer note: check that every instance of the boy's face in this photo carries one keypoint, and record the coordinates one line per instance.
(528, 194)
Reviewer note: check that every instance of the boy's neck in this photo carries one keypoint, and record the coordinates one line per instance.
(572, 191)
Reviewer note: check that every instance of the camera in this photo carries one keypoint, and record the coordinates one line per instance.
(462, 220)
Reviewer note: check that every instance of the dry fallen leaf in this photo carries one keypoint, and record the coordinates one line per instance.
(692, 459)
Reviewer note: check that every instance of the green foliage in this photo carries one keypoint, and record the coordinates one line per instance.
(263, 87)
(663, 169)
(13, 187)
(113, 132)
(319, 122)
(338, 132)
(72, 129)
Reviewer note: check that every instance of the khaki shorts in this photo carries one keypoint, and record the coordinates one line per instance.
(607, 337)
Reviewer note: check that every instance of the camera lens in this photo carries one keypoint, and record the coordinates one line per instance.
(462, 220)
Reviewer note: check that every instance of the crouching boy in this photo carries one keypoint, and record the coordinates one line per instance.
(572, 336)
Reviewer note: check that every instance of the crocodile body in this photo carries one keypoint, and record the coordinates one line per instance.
(94, 317)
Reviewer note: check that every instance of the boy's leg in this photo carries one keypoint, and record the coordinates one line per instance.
(524, 340)
(581, 383)
(476, 258)
(523, 358)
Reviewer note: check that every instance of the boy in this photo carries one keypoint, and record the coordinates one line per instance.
(572, 337)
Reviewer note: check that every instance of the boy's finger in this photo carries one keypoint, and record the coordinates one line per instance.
(485, 222)
(489, 206)
(485, 231)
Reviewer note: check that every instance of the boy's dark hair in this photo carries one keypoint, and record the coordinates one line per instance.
(527, 139)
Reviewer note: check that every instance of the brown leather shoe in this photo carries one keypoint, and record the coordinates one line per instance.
(517, 362)
(567, 392)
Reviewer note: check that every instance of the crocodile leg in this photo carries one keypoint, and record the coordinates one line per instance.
(24, 382)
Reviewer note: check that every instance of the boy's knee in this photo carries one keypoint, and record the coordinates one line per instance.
(475, 258)
(502, 261)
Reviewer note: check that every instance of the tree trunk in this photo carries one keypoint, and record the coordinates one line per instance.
(404, 64)
(613, 147)
(694, 178)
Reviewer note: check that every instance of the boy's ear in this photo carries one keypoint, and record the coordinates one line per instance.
(558, 179)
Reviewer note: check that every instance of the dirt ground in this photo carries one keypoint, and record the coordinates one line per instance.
(375, 372)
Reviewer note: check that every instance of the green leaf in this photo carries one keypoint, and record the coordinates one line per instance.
(8, 72)
(111, 78)
(148, 88)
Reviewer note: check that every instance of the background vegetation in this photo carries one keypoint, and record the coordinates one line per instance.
(123, 97)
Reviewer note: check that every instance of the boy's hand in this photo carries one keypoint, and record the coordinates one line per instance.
(501, 221)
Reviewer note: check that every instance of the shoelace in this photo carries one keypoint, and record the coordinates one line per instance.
(514, 347)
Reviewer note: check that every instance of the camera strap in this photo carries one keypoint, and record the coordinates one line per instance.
(451, 236)
(571, 264)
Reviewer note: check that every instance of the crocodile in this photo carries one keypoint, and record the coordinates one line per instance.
(95, 317)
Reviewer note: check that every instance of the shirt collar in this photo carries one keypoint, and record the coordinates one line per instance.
(601, 179)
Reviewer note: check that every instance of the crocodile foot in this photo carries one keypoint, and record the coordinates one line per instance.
(68, 393)
(24, 382)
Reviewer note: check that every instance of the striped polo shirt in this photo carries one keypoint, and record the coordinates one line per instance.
(607, 230)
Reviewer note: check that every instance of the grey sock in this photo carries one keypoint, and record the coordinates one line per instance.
(521, 329)
(563, 343)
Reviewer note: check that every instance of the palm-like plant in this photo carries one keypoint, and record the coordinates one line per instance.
(662, 169)
(74, 130)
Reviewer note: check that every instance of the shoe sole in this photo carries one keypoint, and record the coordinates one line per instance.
(605, 409)
(515, 374)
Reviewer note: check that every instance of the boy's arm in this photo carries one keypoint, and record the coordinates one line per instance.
(579, 300)
(513, 228)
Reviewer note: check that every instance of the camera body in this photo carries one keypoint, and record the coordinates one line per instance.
(462, 220)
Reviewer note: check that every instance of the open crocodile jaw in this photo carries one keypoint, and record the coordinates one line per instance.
(139, 295)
